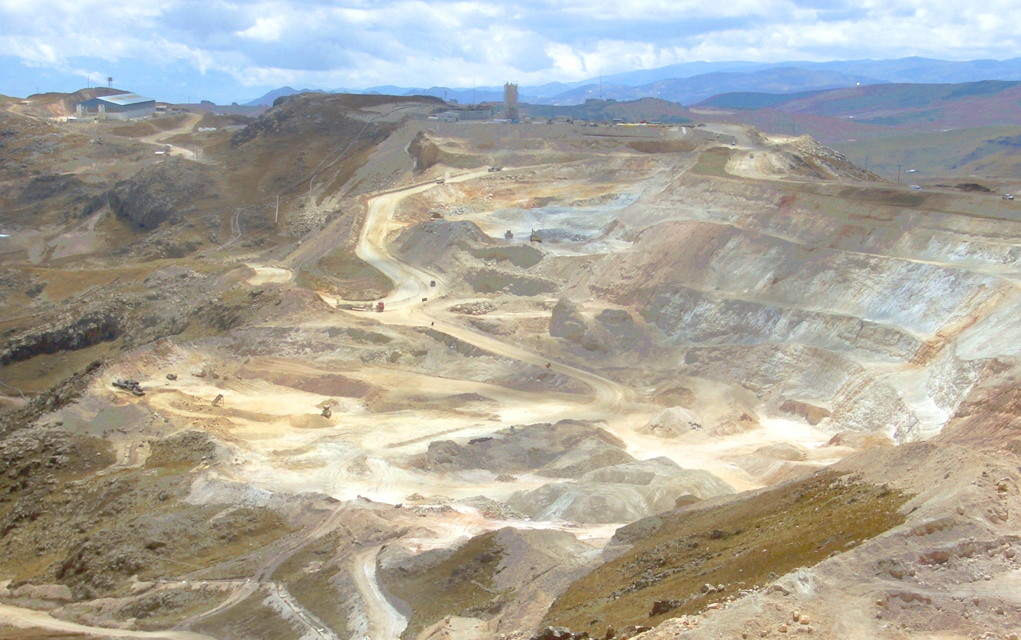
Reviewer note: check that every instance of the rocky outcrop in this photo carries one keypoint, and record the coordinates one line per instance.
(427, 153)
(568, 322)
(495, 280)
(156, 193)
(90, 329)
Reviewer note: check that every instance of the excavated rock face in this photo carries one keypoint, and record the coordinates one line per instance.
(49, 186)
(567, 449)
(156, 193)
(568, 322)
(90, 329)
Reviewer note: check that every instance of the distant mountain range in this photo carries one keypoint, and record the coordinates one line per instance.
(692, 82)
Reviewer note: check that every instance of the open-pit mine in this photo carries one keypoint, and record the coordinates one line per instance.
(344, 371)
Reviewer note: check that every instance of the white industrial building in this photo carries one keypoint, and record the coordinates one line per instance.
(122, 106)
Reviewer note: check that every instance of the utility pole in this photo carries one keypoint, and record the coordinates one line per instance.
(276, 216)
(898, 174)
(866, 164)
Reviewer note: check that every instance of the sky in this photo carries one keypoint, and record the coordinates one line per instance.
(228, 51)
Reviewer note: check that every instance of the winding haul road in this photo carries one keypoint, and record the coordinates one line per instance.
(409, 304)
(405, 305)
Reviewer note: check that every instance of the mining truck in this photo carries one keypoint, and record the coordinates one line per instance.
(379, 306)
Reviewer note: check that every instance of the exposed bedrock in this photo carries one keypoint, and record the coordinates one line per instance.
(156, 193)
(567, 449)
(687, 315)
(88, 330)
(619, 493)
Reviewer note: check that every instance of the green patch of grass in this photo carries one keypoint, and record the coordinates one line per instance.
(250, 619)
(459, 584)
(740, 545)
(935, 153)
(713, 162)
(346, 275)
(888, 197)
(314, 589)
(162, 609)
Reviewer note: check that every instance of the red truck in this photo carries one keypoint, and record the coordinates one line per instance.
(379, 306)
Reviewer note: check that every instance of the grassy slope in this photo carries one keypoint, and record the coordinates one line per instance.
(461, 584)
(894, 97)
(649, 109)
(741, 545)
(992, 151)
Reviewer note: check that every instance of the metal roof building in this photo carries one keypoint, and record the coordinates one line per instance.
(123, 106)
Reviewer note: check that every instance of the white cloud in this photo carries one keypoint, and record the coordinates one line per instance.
(354, 43)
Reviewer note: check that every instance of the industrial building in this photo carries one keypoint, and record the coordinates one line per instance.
(510, 101)
(123, 106)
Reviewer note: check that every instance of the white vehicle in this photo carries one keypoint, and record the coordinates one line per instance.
(916, 187)
(1008, 196)
(911, 171)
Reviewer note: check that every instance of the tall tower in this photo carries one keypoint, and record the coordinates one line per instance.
(510, 101)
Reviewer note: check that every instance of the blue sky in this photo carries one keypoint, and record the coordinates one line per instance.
(237, 50)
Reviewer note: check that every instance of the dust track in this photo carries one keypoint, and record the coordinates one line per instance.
(385, 622)
(408, 304)
(30, 619)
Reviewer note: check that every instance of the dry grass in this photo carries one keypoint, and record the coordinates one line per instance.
(14, 633)
(249, 619)
(713, 162)
(347, 276)
(147, 127)
(460, 584)
(315, 590)
(742, 545)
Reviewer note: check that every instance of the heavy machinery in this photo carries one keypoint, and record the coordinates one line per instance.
(379, 306)
(129, 385)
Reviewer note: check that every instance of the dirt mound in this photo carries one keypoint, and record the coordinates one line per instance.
(496, 281)
(565, 449)
(523, 256)
(672, 422)
(428, 153)
(433, 241)
(781, 451)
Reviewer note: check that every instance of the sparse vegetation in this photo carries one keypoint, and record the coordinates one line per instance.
(741, 546)
(450, 583)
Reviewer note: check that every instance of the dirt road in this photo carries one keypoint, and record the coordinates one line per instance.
(185, 127)
(405, 305)
(30, 619)
(385, 622)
